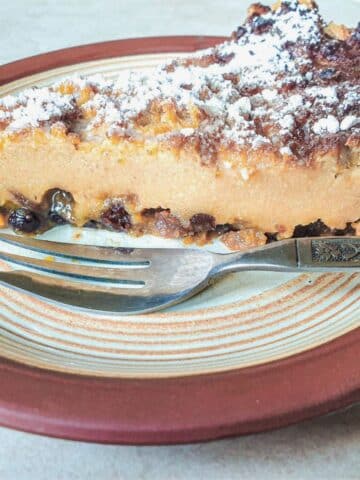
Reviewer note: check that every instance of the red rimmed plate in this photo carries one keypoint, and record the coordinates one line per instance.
(232, 360)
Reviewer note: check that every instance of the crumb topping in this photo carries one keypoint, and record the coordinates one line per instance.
(281, 82)
(34, 107)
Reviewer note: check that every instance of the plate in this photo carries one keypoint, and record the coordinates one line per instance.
(254, 351)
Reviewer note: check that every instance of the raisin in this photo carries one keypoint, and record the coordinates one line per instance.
(116, 218)
(201, 222)
(60, 205)
(314, 229)
(24, 220)
(348, 230)
(224, 228)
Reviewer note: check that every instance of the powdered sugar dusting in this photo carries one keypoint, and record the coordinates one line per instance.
(349, 121)
(34, 107)
(329, 124)
(257, 89)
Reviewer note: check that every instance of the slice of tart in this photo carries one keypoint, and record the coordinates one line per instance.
(254, 140)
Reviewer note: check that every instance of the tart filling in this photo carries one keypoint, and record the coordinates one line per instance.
(254, 140)
(120, 214)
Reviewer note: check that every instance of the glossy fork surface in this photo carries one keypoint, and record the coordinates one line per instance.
(126, 280)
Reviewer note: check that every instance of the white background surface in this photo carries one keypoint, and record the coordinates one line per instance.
(326, 448)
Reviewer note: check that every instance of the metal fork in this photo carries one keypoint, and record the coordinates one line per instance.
(126, 280)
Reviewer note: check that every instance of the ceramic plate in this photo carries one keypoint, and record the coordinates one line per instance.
(254, 351)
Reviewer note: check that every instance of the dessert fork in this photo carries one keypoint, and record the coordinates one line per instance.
(139, 280)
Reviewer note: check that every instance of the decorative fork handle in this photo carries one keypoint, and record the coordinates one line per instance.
(300, 254)
(328, 252)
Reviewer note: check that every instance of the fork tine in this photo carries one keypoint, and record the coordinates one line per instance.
(93, 253)
(130, 276)
(152, 279)
(100, 297)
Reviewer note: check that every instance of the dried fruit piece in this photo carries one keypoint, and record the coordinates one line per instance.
(201, 222)
(60, 206)
(116, 217)
(24, 220)
(314, 229)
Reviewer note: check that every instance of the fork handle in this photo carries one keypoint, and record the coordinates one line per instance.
(335, 253)
(317, 254)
